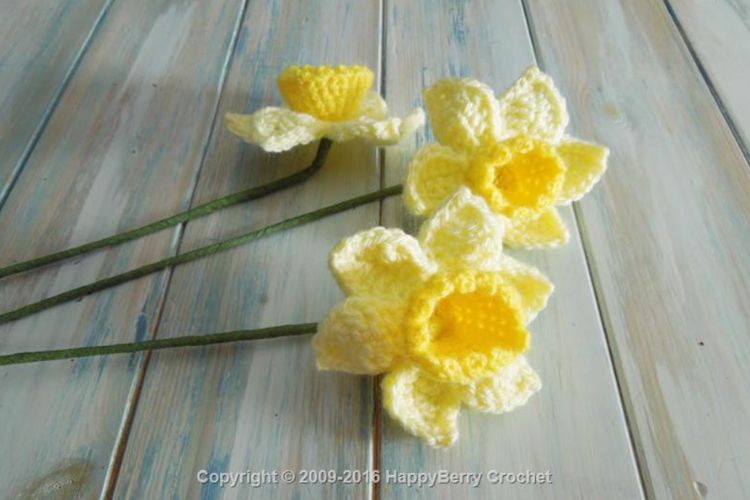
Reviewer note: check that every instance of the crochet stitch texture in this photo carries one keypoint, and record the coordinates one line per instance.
(510, 150)
(324, 101)
(443, 315)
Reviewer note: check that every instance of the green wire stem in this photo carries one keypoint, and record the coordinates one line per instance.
(151, 345)
(200, 211)
(198, 253)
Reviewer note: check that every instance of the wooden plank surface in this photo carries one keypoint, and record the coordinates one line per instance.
(574, 428)
(41, 43)
(127, 138)
(667, 234)
(261, 406)
(718, 33)
(122, 148)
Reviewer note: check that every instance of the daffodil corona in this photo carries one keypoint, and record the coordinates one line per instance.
(335, 102)
(444, 316)
(510, 150)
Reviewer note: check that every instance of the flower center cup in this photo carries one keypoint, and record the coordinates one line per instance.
(328, 93)
(522, 173)
(466, 327)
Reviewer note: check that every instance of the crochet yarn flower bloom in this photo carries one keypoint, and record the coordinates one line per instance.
(324, 101)
(510, 150)
(444, 315)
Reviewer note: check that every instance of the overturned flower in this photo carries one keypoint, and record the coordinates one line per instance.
(324, 101)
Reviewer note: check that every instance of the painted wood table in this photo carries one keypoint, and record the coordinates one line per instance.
(110, 117)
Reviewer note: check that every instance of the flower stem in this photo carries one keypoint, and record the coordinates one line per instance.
(150, 345)
(201, 210)
(198, 253)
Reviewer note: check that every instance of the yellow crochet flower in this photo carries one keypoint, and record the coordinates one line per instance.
(444, 315)
(324, 101)
(510, 150)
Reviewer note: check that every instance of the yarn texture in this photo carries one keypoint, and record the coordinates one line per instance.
(334, 102)
(511, 150)
(444, 316)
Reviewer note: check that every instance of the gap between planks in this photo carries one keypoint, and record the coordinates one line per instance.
(131, 404)
(709, 83)
(377, 409)
(644, 477)
(636, 446)
(56, 96)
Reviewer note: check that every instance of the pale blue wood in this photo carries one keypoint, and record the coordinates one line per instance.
(667, 234)
(574, 428)
(718, 34)
(42, 41)
(262, 406)
(664, 234)
(122, 148)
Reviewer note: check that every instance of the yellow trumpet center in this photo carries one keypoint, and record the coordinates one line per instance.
(521, 173)
(329, 93)
(466, 326)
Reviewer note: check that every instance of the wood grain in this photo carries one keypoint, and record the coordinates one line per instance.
(667, 234)
(574, 428)
(123, 147)
(262, 406)
(42, 42)
(122, 133)
(718, 32)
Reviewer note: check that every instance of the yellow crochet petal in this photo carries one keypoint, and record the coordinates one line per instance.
(329, 93)
(435, 173)
(361, 335)
(380, 132)
(380, 262)
(373, 106)
(542, 230)
(510, 387)
(275, 129)
(533, 287)
(465, 326)
(533, 106)
(464, 234)
(424, 407)
(464, 114)
(585, 163)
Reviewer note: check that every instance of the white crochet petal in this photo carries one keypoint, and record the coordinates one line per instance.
(533, 106)
(382, 132)
(585, 164)
(380, 262)
(275, 129)
(533, 287)
(424, 407)
(536, 230)
(464, 233)
(434, 174)
(373, 106)
(362, 335)
(509, 388)
(464, 114)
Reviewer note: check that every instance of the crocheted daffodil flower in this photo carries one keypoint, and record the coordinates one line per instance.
(324, 101)
(510, 150)
(444, 315)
